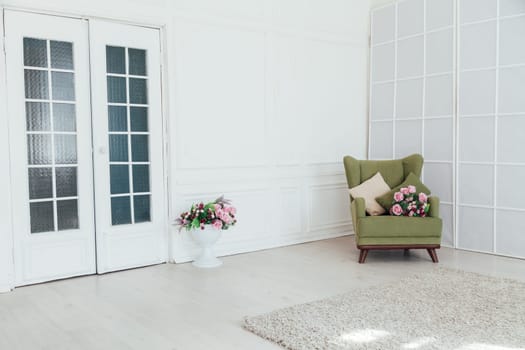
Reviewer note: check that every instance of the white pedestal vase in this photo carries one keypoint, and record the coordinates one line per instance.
(206, 239)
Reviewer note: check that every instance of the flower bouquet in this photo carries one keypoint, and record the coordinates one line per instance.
(408, 203)
(206, 222)
(220, 214)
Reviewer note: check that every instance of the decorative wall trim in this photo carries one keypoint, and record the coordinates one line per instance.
(263, 244)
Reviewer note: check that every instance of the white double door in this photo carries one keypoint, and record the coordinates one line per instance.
(85, 126)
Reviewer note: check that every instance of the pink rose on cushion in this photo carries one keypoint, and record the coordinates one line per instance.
(397, 210)
(217, 224)
(404, 190)
(412, 189)
(423, 197)
(398, 196)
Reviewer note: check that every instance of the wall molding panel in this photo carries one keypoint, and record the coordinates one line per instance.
(303, 79)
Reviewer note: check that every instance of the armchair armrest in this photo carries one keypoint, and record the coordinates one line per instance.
(358, 208)
(434, 206)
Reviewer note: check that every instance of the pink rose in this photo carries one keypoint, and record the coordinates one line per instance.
(423, 197)
(398, 196)
(397, 210)
(231, 210)
(404, 190)
(412, 189)
(217, 207)
(225, 217)
(217, 224)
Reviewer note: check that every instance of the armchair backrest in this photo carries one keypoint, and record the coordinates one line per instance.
(393, 171)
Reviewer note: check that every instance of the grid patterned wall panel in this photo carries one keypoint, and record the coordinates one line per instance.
(491, 165)
(473, 144)
(412, 92)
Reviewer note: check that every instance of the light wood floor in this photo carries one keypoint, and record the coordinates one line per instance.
(184, 308)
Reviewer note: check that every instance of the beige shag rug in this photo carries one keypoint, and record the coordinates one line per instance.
(441, 309)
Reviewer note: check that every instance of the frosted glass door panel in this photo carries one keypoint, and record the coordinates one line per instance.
(439, 14)
(510, 227)
(509, 192)
(511, 86)
(511, 7)
(383, 66)
(440, 51)
(447, 215)
(438, 177)
(476, 183)
(383, 25)
(410, 17)
(382, 107)
(477, 92)
(475, 229)
(49, 117)
(511, 48)
(381, 142)
(409, 102)
(511, 142)
(476, 139)
(410, 57)
(439, 96)
(439, 132)
(408, 138)
(478, 45)
(477, 10)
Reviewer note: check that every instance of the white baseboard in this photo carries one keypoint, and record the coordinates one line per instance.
(5, 289)
(263, 244)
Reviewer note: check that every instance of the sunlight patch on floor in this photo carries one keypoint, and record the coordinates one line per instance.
(419, 342)
(480, 346)
(362, 336)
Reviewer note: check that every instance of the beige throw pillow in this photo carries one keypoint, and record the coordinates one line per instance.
(370, 190)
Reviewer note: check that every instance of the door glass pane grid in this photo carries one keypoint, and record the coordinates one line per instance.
(52, 153)
(128, 134)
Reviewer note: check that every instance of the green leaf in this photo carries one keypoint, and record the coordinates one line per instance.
(195, 223)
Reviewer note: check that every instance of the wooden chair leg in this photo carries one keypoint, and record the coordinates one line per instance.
(433, 255)
(362, 255)
(406, 251)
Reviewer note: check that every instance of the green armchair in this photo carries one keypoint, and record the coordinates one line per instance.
(385, 231)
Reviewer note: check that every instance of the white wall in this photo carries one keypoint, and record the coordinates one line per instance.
(264, 99)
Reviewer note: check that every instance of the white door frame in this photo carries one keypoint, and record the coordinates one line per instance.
(6, 229)
(7, 271)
